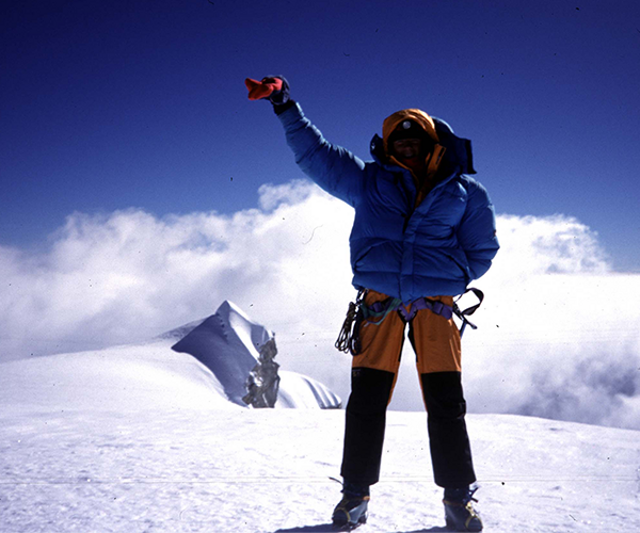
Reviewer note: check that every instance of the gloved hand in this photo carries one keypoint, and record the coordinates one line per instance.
(273, 88)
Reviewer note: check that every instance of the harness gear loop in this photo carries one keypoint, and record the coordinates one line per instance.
(463, 314)
(348, 340)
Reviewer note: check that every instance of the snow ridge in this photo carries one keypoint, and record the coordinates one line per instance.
(228, 343)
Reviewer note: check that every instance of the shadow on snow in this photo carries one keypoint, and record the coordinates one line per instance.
(328, 528)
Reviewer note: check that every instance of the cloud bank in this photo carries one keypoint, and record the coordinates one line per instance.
(558, 334)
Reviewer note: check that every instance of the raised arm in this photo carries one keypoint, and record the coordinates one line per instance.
(335, 169)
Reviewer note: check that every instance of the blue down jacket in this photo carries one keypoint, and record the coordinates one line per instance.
(434, 249)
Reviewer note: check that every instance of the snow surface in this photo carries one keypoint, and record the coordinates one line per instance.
(144, 439)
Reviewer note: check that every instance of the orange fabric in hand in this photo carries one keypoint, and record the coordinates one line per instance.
(262, 89)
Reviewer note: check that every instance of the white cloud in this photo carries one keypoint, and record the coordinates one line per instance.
(558, 331)
(129, 275)
(547, 245)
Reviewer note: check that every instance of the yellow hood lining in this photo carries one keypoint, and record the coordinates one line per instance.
(417, 115)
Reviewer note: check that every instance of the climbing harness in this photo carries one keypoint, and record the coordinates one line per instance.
(378, 311)
(348, 339)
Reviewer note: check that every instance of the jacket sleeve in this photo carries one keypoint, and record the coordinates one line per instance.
(477, 231)
(333, 168)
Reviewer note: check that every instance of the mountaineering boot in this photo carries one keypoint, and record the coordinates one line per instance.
(351, 511)
(459, 512)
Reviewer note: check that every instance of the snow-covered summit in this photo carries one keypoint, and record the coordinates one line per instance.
(207, 368)
(228, 316)
(228, 343)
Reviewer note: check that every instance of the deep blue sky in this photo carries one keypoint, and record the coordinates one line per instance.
(111, 105)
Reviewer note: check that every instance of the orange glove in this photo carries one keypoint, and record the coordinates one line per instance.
(264, 88)
(273, 88)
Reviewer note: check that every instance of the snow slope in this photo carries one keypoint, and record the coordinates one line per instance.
(228, 344)
(142, 439)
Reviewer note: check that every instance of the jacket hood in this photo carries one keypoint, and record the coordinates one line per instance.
(458, 156)
(416, 115)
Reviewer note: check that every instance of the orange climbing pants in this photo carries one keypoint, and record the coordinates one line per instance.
(435, 340)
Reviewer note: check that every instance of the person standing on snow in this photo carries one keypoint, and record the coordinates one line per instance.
(423, 229)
